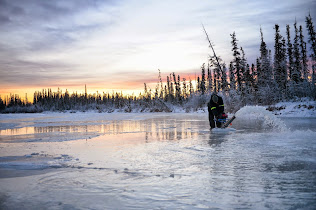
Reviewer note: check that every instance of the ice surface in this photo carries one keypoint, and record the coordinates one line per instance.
(156, 161)
(34, 161)
(223, 130)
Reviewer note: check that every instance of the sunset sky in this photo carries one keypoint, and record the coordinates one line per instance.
(121, 44)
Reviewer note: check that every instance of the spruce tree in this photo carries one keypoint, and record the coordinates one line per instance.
(236, 61)
(209, 78)
(243, 64)
(232, 77)
(172, 91)
(224, 78)
(179, 90)
(216, 73)
(280, 61)
(312, 35)
(248, 80)
(191, 90)
(168, 93)
(312, 41)
(184, 89)
(253, 76)
(258, 80)
(218, 70)
(264, 71)
(297, 58)
(203, 80)
(304, 54)
(289, 52)
(161, 85)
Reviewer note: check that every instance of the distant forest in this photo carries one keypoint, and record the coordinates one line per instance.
(287, 74)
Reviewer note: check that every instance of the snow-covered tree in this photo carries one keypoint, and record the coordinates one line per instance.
(232, 78)
(224, 81)
(209, 78)
(289, 52)
(264, 69)
(312, 41)
(203, 80)
(312, 35)
(296, 76)
(304, 54)
(236, 61)
(280, 61)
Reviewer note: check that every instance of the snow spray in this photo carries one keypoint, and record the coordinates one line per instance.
(258, 114)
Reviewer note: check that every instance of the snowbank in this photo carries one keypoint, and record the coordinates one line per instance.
(303, 108)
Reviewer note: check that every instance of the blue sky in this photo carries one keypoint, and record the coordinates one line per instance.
(121, 44)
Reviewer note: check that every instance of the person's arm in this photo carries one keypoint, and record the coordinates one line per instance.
(209, 107)
(213, 108)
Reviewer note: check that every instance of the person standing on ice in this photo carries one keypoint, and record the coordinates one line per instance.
(216, 110)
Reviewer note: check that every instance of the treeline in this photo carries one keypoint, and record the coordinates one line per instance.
(287, 74)
(166, 100)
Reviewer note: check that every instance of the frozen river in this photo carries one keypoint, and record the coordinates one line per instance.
(156, 161)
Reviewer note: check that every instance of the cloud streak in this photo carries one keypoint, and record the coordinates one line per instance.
(44, 43)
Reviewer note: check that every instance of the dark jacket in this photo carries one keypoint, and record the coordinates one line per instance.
(216, 108)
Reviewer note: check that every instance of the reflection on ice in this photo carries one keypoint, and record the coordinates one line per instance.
(166, 128)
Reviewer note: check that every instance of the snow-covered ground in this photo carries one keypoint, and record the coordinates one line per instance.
(304, 108)
(159, 160)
